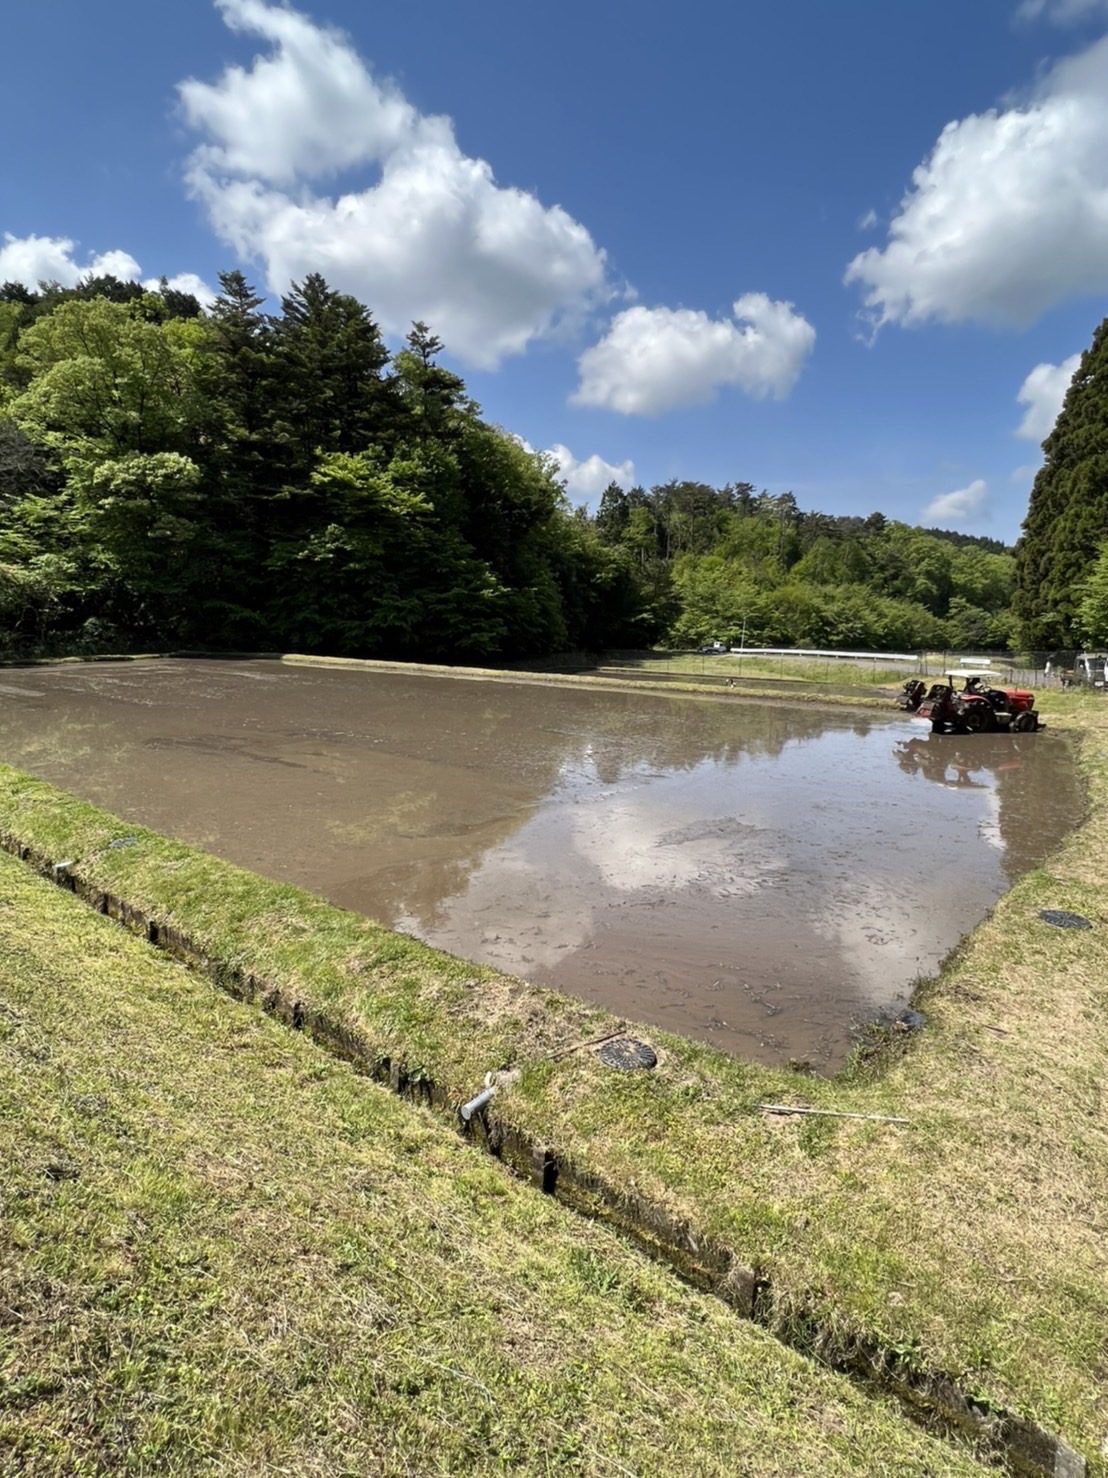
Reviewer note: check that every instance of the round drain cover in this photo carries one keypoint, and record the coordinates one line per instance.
(627, 1054)
(1063, 920)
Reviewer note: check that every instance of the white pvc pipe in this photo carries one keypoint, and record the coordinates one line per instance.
(475, 1105)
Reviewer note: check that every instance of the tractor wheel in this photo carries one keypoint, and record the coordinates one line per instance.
(978, 719)
(1025, 723)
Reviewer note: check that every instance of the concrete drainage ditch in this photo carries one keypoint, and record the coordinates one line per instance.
(932, 1398)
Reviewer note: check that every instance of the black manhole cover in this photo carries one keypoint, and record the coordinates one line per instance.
(1063, 920)
(627, 1054)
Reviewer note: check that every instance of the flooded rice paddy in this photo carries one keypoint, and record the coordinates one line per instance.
(758, 876)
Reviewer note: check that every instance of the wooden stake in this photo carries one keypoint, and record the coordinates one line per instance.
(791, 1108)
(592, 1042)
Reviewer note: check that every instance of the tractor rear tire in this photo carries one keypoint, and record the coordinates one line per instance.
(978, 719)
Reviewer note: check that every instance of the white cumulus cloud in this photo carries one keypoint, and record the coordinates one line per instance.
(1062, 12)
(305, 111)
(585, 477)
(184, 282)
(1042, 393)
(656, 359)
(1008, 216)
(589, 477)
(962, 506)
(432, 236)
(34, 259)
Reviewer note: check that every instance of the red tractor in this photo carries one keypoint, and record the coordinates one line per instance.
(963, 704)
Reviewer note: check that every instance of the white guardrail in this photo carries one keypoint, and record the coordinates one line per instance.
(822, 652)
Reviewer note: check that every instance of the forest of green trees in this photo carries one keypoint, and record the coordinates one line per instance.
(1061, 597)
(239, 479)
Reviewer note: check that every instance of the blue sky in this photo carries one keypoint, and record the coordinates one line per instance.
(819, 248)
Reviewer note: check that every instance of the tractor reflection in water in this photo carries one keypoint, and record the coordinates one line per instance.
(1015, 788)
(1007, 772)
(963, 703)
(957, 769)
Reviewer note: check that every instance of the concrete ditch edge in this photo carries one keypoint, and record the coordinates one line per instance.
(933, 1399)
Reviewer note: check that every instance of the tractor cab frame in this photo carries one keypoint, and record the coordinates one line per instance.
(965, 701)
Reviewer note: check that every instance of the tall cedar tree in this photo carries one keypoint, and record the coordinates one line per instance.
(432, 396)
(329, 388)
(1067, 519)
(240, 483)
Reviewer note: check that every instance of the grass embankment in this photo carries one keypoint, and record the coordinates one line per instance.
(969, 1243)
(740, 667)
(223, 1252)
(683, 676)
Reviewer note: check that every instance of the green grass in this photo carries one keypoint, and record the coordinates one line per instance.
(970, 1242)
(221, 1252)
(788, 669)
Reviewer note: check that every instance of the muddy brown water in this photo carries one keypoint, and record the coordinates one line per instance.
(758, 876)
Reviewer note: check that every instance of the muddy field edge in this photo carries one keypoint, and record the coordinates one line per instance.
(686, 685)
(137, 877)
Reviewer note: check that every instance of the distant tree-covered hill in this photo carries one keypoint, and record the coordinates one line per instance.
(715, 563)
(238, 478)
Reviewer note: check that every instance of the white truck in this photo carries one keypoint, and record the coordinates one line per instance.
(1090, 670)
